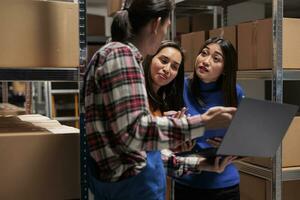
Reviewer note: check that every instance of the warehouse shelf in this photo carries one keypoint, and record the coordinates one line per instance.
(66, 118)
(291, 173)
(96, 40)
(40, 74)
(276, 174)
(288, 173)
(43, 73)
(197, 3)
(268, 74)
(64, 91)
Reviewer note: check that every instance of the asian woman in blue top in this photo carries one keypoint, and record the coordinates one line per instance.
(213, 83)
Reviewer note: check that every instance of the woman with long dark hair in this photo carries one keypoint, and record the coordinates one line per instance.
(119, 127)
(213, 83)
(164, 73)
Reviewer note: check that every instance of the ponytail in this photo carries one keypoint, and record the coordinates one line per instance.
(135, 15)
(120, 28)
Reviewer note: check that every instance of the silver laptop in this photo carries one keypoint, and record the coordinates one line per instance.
(257, 129)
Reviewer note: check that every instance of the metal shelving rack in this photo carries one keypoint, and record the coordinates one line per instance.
(41, 74)
(83, 63)
(277, 174)
(56, 74)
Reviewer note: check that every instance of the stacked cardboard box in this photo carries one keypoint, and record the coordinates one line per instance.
(228, 33)
(255, 44)
(255, 188)
(113, 6)
(192, 43)
(39, 34)
(290, 148)
(95, 27)
(9, 109)
(39, 159)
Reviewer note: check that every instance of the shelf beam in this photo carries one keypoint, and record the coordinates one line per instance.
(268, 74)
(40, 74)
(288, 173)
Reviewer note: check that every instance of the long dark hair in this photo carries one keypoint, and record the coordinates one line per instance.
(136, 14)
(227, 81)
(170, 96)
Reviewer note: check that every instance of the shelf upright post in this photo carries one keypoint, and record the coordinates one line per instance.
(4, 92)
(172, 35)
(28, 97)
(215, 16)
(82, 68)
(225, 15)
(277, 90)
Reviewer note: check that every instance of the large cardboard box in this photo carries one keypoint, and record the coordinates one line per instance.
(255, 45)
(290, 148)
(202, 22)
(92, 49)
(113, 6)
(254, 188)
(192, 43)
(95, 25)
(182, 25)
(228, 33)
(10, 109)
(39, 34)
(38, 164)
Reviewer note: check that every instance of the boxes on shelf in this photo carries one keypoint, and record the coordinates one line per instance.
(39, 34)
(228, 33)
(202, 22)
(42, 156)
(95, 25)
(113, 6)
(255, 45)
(255, 188)
(290, 148)
(92, 50)
(182, 25)
(191, 43)
(10, 109)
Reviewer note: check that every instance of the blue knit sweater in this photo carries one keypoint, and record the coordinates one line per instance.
(212, 96)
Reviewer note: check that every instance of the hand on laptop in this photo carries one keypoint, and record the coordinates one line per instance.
(218, 117)
(218, 166)
(214, 142)
(176, 114)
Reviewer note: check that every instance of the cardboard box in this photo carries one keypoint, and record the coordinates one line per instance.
(254, 188)
(39, 34)
(228, 33)
(182, 25)
(92, 50)
(290, 148)
(194, 23)
(192, 43)
(10, 109)
(38, 164)
(202, 22)
(255, 47)
(95, 25)
(113, 6)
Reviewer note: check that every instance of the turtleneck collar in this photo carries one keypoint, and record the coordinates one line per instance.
(206, 87)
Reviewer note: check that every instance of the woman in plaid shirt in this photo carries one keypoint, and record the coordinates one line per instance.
(119, 125)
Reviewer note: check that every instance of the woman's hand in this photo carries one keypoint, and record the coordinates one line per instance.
(188, 145)
(218, 166)
(214, 142)
(218, 117)
(176, 114)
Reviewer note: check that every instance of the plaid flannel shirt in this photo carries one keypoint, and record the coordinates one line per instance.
(119, 125)
(177, 166)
